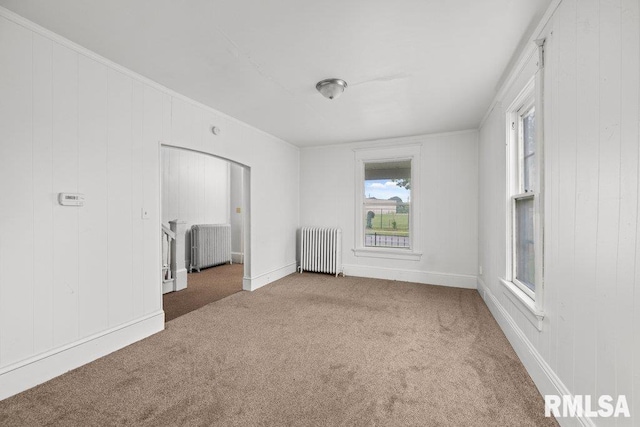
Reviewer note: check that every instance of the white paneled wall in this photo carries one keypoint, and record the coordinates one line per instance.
(70, 124)
(273, 168)
(78, 283)
(17, 207)
(236, 218)
(195, 189)
(590, 339)
(94, 217)
(448, 200)
(42, 199)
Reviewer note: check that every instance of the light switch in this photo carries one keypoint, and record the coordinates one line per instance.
(238, 210)
(145, 213)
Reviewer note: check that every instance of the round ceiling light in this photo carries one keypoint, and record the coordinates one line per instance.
(331, 88)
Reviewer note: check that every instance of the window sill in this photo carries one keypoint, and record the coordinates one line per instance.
(524, 303)
(404, 254)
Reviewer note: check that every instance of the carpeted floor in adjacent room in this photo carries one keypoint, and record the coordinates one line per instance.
(204, 287)
(307, 350)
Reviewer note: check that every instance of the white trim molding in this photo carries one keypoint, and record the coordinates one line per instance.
(528, 99)
(520, 59)
(425, 277)
(237, 257)
(544, 377)
(524, 303)
(253, 283)
(43, 367)
(386, 253)
(410, 153)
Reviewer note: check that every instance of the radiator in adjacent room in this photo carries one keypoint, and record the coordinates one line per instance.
(210, 245)
(321, 250)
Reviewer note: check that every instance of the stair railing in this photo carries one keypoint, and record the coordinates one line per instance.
(174, 272)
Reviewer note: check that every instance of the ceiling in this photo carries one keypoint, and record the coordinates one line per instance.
(413, 66)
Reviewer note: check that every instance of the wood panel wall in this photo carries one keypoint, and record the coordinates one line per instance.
(591, 332)
(195, 189)
(71, 121)
(71, 124)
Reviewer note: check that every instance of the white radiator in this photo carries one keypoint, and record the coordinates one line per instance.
(210, 245)
(321, 250)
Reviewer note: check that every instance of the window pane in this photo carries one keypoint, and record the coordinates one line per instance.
(525, 248)
(387, 204)
(529, 150)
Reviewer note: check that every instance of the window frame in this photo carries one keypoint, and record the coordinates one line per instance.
(516, 183)
(529, 98)
(381, 155)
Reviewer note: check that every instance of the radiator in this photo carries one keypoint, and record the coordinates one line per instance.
(321, 250)
(210, 245)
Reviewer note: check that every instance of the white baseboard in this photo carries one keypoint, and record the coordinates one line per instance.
(38, 369)
(253, 283)
(416, 276)
(543, 376)
(167, 286)
(237, 257)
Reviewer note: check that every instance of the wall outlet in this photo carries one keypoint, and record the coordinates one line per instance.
(145, 213)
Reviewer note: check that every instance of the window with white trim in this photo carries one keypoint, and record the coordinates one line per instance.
(387, 209)
(387, 204)
(524, 184)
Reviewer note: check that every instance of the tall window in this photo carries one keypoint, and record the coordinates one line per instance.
(524, 193)
(386, 207)
(387, 202)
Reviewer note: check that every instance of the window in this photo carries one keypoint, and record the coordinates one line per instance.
(387, 181)
(387, 203)
(524, 194)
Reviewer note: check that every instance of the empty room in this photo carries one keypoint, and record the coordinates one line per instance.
(367, 213)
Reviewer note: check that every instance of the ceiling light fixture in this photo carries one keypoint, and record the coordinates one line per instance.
(331, 88)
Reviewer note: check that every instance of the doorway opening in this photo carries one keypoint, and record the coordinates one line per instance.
(204, 214)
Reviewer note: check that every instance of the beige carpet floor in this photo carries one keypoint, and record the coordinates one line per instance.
(308, 350)
(209, 285)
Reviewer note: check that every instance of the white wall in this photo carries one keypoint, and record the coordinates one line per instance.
(448, 202)
(195, 189)
(273, 174)
(78, 283)
(590, 338)
(236, 214)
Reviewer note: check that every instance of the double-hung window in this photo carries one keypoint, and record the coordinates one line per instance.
(524, 207)
(524, 185)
